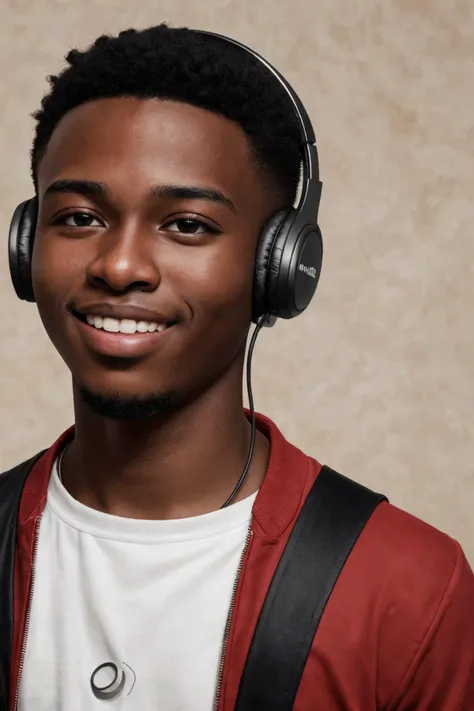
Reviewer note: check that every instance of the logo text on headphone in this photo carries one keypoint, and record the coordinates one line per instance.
(310, 271)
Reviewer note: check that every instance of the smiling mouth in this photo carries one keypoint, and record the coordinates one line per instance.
(124, 326)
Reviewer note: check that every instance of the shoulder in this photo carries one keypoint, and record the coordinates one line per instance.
(12, 480)
(416, 577)
(18, 469)
(405, 598)
(409, 550)
(396, 549)
(408, 537)
(409, 565)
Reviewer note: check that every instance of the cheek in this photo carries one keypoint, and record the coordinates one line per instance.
(218, 284)
(218, 290)
(54, 271)
(55, 278)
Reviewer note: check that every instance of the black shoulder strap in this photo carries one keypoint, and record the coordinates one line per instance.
(329, 524)
(11, 487)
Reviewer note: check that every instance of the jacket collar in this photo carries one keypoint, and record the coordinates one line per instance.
(34, 495)
(284, 485)
(276, 505)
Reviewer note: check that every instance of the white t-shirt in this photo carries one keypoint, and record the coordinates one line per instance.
(150, 597)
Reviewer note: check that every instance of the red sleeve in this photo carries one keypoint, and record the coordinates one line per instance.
(441, 675)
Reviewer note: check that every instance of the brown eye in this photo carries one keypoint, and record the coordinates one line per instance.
(190, 226)
(187, 226)
(78, 219)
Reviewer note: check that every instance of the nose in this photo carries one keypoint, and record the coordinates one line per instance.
(125, 261)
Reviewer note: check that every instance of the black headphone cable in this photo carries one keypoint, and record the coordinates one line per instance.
(260, 323)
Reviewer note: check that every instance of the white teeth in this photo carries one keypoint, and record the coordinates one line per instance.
(125, 325)
(128, 326)
(112, 325)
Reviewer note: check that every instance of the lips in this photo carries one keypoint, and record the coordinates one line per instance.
(120, 312)
(121, 331)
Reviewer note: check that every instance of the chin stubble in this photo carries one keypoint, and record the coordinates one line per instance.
(117, 407)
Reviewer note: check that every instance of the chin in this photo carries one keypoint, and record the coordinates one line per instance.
(120, 406)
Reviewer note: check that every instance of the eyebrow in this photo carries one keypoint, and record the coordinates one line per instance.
(192, 192)
(81, 187)
(91, 188)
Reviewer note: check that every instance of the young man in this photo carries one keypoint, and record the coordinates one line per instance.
(158, 158)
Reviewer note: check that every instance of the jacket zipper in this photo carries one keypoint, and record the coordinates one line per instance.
(228, 624)
(28, 613)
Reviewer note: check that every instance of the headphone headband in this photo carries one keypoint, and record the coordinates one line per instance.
(307, 129)
(309, 153)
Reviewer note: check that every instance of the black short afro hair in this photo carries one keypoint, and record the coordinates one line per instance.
(181, 64)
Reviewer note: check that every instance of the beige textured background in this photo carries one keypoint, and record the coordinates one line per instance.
(377, 378)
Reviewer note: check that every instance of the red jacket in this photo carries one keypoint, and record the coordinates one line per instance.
(397, 633)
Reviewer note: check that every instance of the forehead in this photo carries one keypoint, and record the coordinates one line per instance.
(141, 142)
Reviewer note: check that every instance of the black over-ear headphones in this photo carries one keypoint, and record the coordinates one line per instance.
(290, 249)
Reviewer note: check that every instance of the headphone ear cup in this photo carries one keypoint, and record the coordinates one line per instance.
(262, 262)
(275, 264)
(20, 248)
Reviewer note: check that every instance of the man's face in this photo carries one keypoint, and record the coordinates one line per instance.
(143, 260)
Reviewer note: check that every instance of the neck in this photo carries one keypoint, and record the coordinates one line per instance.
(183, 464)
